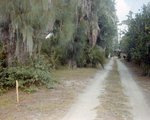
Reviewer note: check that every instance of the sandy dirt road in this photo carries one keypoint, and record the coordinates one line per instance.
(83, 108)
(140, 109)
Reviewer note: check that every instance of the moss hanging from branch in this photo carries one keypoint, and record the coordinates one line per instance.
(27, 22)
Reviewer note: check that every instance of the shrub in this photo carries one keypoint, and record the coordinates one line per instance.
(93, 56)
(96, 56)
(128, 57)
(38, 72)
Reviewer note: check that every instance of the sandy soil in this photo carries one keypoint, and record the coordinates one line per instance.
(46, 104)
(140, 109)
(83, 109)
(52, 105)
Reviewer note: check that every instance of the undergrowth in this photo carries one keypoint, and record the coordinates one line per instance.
(38, 72)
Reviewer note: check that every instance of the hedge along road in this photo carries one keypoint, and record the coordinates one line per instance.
(83, 108)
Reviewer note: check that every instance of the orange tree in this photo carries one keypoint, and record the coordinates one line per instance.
(136, 41)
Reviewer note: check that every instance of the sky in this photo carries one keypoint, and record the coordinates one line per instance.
(124, 6)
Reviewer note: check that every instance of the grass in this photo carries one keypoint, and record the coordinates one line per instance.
(45, 104)
(113, 100)
(74, 74)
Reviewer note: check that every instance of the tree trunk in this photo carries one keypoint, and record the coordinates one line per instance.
(74, 64)
(69, 63)
(15, 50)
(9, 46)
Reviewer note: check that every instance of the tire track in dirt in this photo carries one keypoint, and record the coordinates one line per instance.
(140, 109)
(84, 107)
(114, 102)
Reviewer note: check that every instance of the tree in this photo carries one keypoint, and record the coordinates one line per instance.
(23, 24)
(137, 38)
(108, 26)
(81, 23)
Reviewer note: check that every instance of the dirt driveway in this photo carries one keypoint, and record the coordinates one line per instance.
(140, 109)
(113, 93)
(84, 107)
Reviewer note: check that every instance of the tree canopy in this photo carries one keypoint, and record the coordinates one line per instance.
(82, 34)
(136, 41)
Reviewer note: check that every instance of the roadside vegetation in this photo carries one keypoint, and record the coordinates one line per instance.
(46, 104)
(136, 40)
(81, 34)
(113, 99)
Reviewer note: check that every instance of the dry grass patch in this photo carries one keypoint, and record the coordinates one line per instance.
(74, 74)
(113, 100)
(46, 104)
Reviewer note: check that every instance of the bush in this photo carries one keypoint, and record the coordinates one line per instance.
(128, 57)
(107, 51)
(96, 56)
(38, 72)
(93, 56)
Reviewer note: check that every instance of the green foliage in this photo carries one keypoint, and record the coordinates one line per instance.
(118, 54)
(74, 24)
(107, 52)
(26, 21)
(32, 88)
(38, 72)
(2, 57)
(96, 56)
(107, 38)
(128, 57)
(60, 51)
(93, 56)
(136, 40)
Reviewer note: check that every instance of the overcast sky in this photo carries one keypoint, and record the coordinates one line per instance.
(124, 6)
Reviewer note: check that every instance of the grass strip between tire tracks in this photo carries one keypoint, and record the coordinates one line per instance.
(113, 100)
